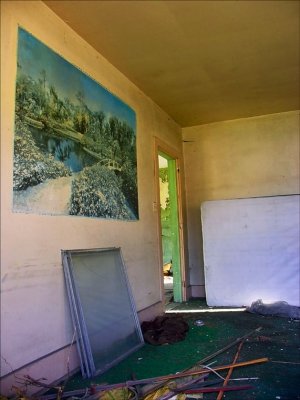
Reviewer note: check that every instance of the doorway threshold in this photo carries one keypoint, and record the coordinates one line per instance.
(198, 305)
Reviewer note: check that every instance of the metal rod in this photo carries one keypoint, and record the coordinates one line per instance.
(205, 359)
(238, 340)
(220, 395)
(217, 389)
(99, 388)
(179, 375)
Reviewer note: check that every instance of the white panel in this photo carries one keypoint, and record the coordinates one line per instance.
(251, 250)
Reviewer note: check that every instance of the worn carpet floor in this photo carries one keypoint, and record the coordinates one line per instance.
(279, 340)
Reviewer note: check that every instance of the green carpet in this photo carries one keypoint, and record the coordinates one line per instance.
(278, 340)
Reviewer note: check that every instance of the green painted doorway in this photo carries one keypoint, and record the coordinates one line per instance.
(170, 227)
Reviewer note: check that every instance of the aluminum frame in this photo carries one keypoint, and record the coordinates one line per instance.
(88, 365)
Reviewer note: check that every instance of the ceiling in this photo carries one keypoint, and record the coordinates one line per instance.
(200, 61)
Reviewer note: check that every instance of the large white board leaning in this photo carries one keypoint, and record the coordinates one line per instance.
(251, 250)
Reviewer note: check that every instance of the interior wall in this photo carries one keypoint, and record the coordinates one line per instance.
(34, 308)
(243, 158)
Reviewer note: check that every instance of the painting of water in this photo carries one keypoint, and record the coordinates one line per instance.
(74, 142)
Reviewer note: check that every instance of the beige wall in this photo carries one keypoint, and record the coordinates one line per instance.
(243, 158)
(34, 309)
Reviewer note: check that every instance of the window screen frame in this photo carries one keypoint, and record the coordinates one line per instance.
(88, 362)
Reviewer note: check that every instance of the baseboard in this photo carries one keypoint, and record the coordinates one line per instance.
(54, 368)
(151, 312)
(56, 365)
(198, 291)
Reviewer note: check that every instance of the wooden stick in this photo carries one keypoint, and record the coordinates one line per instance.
(217, 389)
(181, 388)
(286, 362)
(151, 387)
(220, 395)
(180, 375)
(237, 341)
(99, 388)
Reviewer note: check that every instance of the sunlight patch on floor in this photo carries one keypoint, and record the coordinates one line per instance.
(205, 310)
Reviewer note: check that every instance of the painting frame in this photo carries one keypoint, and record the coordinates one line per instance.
(74, 141)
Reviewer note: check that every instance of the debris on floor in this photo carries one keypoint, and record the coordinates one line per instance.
(167, 269)
(276, 309)
(165, 387)
(191, 381)
(212, 350)
(199, 322)
(164, 330)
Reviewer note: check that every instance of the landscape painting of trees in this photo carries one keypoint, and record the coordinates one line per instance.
(74, 142)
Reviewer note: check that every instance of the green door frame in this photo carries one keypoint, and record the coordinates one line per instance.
(172, 157)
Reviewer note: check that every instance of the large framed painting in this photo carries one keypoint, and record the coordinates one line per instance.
(74, 141)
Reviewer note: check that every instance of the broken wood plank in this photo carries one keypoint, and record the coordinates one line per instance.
(220, 395)
(99, 388)
(217, 389)
(151, 387)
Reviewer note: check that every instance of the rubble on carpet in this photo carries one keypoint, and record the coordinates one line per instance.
(276, 309)
(164, 330)
(188, 383)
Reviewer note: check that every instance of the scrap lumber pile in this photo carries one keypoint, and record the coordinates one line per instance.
(195, 380)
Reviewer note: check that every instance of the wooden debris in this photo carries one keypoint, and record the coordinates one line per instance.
(99, 388)
(217, 389)
(220, 395)
(151, 387)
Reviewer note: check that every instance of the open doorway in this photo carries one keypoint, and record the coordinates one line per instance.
(170, 226)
